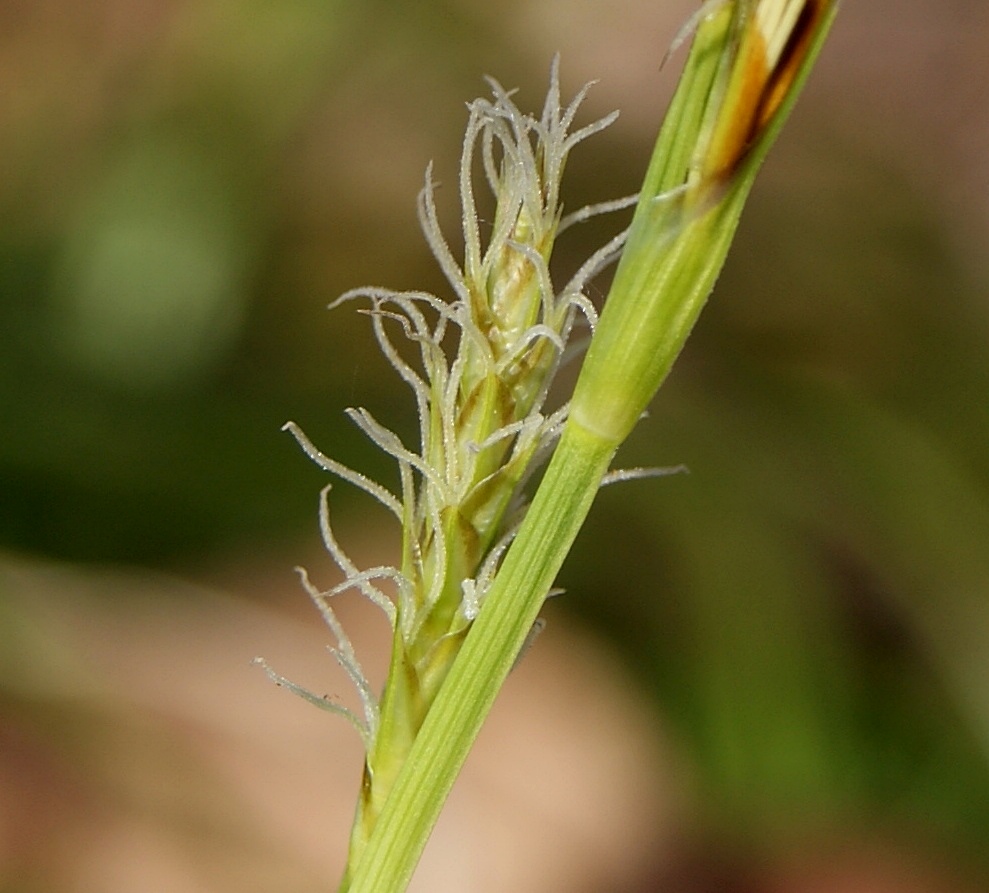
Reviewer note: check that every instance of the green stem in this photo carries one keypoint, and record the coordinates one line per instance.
(507, 614)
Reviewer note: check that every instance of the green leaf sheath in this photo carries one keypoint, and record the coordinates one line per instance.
(699, 177)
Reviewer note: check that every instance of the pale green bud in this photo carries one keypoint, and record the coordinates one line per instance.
(746, 66)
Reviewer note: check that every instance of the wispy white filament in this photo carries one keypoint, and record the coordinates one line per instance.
(464, 351)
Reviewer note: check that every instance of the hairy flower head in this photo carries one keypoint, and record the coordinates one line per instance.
(480, 368)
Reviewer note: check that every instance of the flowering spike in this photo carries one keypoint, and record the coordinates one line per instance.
(482, 426)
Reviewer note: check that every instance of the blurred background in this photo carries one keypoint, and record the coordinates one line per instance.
(771, 674)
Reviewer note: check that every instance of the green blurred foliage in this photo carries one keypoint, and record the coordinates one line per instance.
(188, 185)
(814, 612)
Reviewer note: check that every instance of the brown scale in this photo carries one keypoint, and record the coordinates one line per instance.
(763, 91)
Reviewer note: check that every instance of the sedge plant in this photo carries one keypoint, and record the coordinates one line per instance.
(477, 557)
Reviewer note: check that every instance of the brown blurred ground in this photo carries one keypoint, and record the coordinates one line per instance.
(141, 750)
